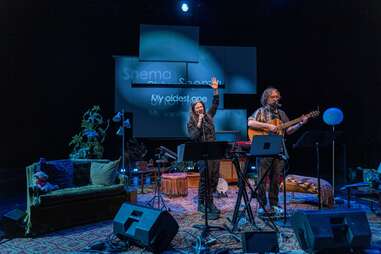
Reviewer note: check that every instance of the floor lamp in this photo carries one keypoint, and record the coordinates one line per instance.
(124, 123)
(333, 117)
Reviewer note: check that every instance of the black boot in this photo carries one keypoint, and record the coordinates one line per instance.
(201, 206)
(211, 215)
(201, 193)
(212, 208)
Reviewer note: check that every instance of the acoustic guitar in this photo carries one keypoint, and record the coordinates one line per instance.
(281, 126)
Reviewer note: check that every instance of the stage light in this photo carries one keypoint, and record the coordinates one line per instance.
(184, 7)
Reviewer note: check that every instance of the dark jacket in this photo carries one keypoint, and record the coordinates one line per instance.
(207, 131)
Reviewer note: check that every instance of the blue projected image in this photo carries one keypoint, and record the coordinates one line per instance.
(168, 43)
(133, 96)
(235, 66)
(151, 123)
(160, 84)
(134, 71)
(232, 120)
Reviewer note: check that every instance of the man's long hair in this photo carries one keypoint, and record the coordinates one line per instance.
(266, 93)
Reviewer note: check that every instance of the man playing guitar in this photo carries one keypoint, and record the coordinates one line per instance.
(269, 119)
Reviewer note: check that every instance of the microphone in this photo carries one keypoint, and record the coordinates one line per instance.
(278, 105)
(202, 119)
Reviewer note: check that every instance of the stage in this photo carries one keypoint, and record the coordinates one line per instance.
(184, 210)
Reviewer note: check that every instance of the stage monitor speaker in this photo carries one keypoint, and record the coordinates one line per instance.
(15, 215)
(332, 230)
(260, 242)
(13, 222)
(148, 227)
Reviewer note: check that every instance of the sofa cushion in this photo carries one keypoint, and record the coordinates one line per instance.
(82, 173)
(60, 172)
(104, 173)
(82, 170)
(80, 193)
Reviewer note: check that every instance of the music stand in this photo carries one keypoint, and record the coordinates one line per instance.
(315, 139)
(270, 146)
(205, 151)
(262, 146)
(266, 145)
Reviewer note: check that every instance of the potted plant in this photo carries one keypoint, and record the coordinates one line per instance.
(87, 144)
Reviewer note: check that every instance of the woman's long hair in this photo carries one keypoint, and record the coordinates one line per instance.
(193, 115)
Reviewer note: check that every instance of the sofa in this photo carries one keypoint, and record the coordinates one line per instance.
(85, 191)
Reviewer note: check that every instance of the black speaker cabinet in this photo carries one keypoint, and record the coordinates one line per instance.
(260, 242)
(145, 226)
(332, 230)
(15, 215)
(12, 222)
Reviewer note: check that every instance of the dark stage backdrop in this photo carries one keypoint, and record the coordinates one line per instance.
(57, 62)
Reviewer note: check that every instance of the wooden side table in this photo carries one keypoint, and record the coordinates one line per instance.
(174, 184)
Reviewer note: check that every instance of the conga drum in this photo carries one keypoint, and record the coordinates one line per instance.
(174, 184)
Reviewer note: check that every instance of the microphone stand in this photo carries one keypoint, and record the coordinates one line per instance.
(203, 128)
(285, 157)
(123, 151)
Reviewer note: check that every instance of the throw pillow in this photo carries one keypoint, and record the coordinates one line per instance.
(104, 173)
(82, 173)
(60, 172)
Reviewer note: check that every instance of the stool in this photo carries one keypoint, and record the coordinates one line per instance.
(174, 184)
(193, 179)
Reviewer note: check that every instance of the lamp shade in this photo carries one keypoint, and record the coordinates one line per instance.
(120, 131)
(118, 117)
(333, 116)
(127, 124)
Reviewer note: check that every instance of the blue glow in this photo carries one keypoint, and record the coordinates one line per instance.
(157, 43)
(241, 84)
(333, 116)
(178, 75)
(184, 7)
(225, 120)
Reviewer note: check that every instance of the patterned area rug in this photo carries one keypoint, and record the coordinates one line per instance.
(184, 210)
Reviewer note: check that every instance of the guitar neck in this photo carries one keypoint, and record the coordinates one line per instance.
(290, 123)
